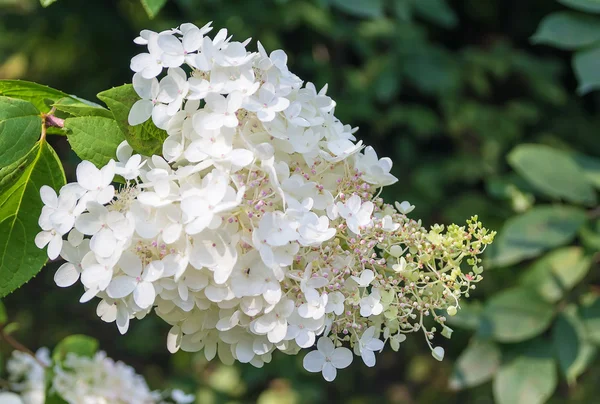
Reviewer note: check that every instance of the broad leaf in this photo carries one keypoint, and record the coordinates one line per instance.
(40, 96)
(152, 7)
(20, 208)
(530, 234)
(590, 316)
(586, 64)
(590, 167)
(20, 128)
(146, 138)
(525, 380)
(80, 345)
(11, 173)
(553, 172)
(76, 107)
(475, 365)
(517, 314)
(573, 351)
(436, 11)
(553, 275)
(568, 30)
(591, 6)
(94, 138)
(3, 315)
(360, 8)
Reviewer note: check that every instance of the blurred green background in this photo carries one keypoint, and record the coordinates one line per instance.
(447, 89)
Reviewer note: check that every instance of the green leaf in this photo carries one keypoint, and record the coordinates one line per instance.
(586, 64)
(553, 275)
(574, 353)
(528, 235)
(20, 208)
(568, 30)
(3, 315)
(46, 3)
(591, 6)
(525, 380)
(20, 128)
(468, 317)
(590, 316)
(590, 167)
(553, 172)
(11, 173)
(152, 7)
(146, 138)
(360, 8)
(94, 138)
(80, 345)
(76, 107)
(436, 11)
(517, 314)
(35, 93)
(475, 365)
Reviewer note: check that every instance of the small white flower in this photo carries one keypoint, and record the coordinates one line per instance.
(327, 359)
(405, 207)
(365, 279)
(367, 346)
(356, 213)
(370, 305)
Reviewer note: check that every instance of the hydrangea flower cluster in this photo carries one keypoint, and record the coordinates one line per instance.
(260, 227)
(81, 380)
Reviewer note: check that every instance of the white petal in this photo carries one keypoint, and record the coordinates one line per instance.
(54, 247)
(121, 286)
(144, 295)
(368, 357)
(329, 372)
(48, 196)
(122, 319)
(66, 275)
(174, 339)
(103, 243)
(244, 351)
(88, 176)
(438, 353)
(42, 239)
(325, 346)
(341, 358)
(140, 112)
(313, 361)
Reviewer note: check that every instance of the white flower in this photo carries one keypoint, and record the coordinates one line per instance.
(128, 165)
(274, 324)
(367, 346)
(107, 228)
(69, 272)
(370, 305)
(153, 98)
(135, 280)
(327, 359)
(222, 110)
(266, 104)
(335, 303)
(314, 230)
(365, 279)
(356, 213)
(97, 182)
(303, 330)
(149, 65)
(375, 171)
(314, 307)
(405, 207)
